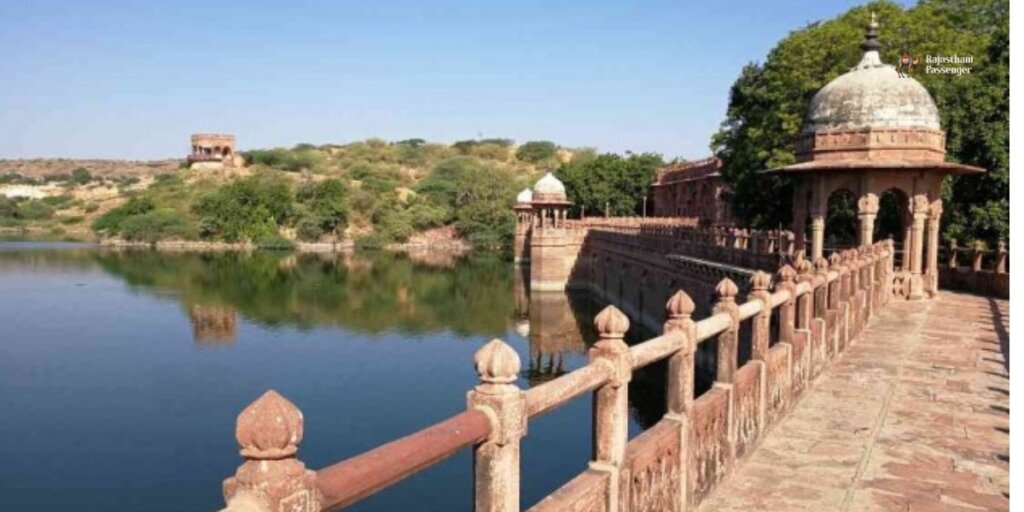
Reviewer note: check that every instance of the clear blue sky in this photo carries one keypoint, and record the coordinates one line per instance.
(132, 79)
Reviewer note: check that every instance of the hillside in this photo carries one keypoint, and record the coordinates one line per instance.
(373, 192)
(54, 167)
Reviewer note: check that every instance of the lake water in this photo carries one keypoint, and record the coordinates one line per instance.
(122, 373)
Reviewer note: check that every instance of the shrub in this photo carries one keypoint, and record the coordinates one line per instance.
(292, 160)
(536, 151)
(110, 222)
(57, 201)
(8, 207)
(309, 228)
(370, 241)
(34, 209)
(274, 242)
(81, 176)
(326, 204)
(71, 219)
(164, 223)
(245, 209)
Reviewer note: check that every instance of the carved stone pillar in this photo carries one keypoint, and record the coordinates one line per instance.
(867, 212)
(932, 253)
(787, 311)
(496, 459)
(271, 479)
(611, 405)
(680, 380)
(817, 234)
(729, 339)
(920, 213)
(760, 336)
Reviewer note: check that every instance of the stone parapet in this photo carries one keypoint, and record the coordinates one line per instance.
(673, 466)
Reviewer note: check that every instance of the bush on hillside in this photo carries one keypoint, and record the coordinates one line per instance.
(245, 209)
(34, 209)
(81, 176)
(160, 224)
(536, 151)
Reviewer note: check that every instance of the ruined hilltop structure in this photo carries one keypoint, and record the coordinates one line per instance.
(213, 151)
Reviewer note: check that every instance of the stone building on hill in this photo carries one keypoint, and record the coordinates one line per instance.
(213, 151)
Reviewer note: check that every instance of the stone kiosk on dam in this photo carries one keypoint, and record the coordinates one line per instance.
(769, 310)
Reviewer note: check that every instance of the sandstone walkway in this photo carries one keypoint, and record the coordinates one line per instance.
(913, 417)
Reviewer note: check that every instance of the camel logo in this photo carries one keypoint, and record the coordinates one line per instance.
(905, 65)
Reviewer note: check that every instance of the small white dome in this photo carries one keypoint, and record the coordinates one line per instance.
(525, 196)
(550, 185)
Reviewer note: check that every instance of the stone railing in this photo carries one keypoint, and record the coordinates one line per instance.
(761, 250)
(974, 269)
(797, 326)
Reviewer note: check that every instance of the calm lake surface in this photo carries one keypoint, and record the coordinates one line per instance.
(121, 373)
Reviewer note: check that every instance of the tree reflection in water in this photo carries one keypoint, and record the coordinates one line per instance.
(475, 296)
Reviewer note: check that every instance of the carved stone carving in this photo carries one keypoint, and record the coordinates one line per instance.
(868, 204)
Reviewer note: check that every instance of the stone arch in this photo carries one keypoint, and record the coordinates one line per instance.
(893, 205)
(894, 221)
(841, 220)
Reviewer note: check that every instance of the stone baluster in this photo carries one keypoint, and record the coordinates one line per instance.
(611, 405)
(728, 340)
(805, 304)
(680, 380)
(761, 333)
(837, 288)
(496, 459)
(271, 479)
(870, 283)
(1001, 254)
(976, 256)
(787, 311)
(820, 287)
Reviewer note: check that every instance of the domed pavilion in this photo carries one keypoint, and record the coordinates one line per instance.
(550, 204)
(867, 133)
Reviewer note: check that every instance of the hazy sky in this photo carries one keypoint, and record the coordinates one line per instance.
(132, 79)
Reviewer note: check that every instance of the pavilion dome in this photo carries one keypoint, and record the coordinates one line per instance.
(872, 95)
(526, 196)
(549, 188)
(871, 115)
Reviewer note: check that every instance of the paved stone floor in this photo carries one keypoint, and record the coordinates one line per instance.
(913, 417)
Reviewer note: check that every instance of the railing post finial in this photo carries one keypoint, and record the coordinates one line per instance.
(611, 405)
(496, 464)
(271, 479)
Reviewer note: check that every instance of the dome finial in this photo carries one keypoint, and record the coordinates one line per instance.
(871, 43)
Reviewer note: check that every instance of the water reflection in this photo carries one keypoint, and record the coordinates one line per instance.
(396, 369)
(368, 292)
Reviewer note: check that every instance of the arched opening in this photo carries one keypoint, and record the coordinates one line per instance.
(841, 221)
(893, 208)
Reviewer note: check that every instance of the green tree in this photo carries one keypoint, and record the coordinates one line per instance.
(769, 100)
(326, 205)
(476, 196)
(246, 209)
(536, 151)
(81, 176)
(609, 180)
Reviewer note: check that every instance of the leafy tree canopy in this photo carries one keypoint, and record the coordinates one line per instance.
(768, 102)
(609, 180)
